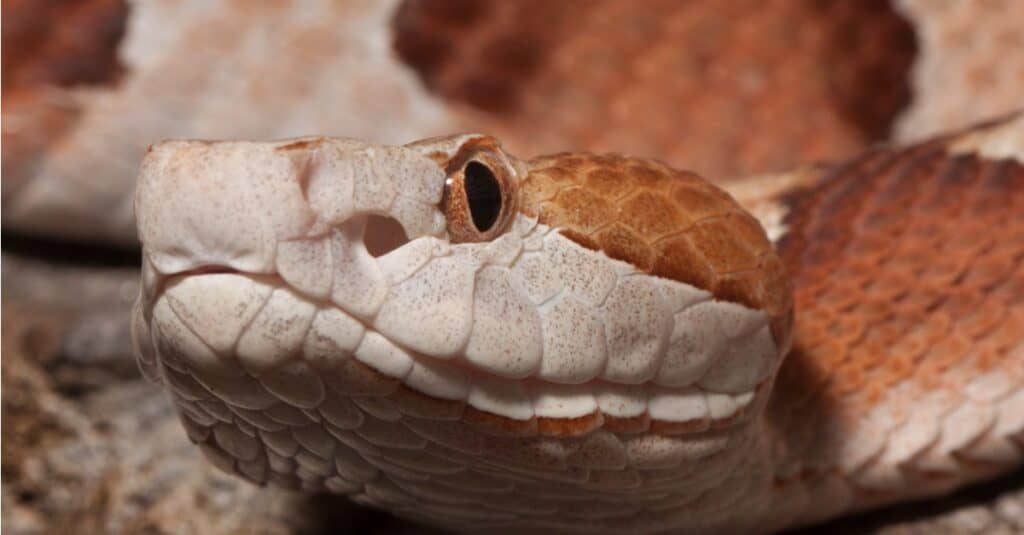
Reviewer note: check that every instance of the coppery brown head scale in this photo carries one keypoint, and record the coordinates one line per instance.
(669, 223)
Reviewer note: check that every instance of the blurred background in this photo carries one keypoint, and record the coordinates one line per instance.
(726, 88)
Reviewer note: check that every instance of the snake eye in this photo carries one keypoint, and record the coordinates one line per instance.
(483, 194)
(476, 199)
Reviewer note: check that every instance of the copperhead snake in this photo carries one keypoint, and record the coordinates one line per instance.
(589, 343)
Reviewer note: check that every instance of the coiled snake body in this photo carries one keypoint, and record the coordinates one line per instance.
(589, 342)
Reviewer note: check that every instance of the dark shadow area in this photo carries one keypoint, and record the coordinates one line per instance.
(980, 494)
(337, 514)
(69, 253)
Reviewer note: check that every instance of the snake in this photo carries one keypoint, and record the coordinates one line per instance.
(587, 342)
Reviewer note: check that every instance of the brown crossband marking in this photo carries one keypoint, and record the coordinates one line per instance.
(52, 42)
(697, 84)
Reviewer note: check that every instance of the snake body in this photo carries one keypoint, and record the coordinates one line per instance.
(585, 342)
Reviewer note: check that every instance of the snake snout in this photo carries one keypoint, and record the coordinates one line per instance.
(244, 205)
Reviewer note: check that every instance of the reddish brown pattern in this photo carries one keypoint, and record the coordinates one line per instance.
(50, 43)
(713, 86)
(61, 42)
(905, 264)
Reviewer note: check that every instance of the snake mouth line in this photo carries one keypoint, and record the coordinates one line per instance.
(260, 328)
(211, 269)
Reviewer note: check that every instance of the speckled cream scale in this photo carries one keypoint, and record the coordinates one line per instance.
(589, 342)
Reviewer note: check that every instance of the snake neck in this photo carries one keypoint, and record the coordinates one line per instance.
(904, 377)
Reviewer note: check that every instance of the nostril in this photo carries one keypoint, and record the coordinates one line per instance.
(383, 235)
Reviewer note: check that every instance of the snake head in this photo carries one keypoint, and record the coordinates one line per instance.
(448, 281)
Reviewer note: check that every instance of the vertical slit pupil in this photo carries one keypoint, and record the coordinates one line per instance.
(483, 194)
